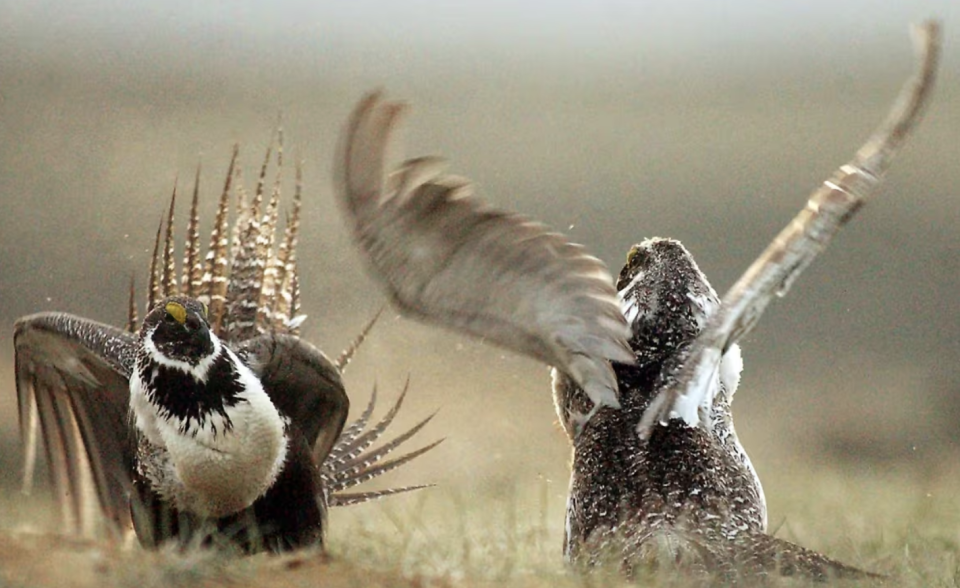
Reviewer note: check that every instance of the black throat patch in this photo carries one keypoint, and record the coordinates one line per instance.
(178, 394)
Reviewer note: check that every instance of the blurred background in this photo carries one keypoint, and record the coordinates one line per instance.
(610, 120)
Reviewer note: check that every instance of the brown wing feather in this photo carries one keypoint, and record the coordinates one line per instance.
(827, 210)
(447, 258)
(304, 385)
(74, 374)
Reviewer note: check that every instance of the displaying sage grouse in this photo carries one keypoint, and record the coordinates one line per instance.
(214, 420)
(657, 468)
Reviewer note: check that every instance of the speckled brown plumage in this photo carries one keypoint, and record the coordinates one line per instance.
(692, 488)
(658, 474)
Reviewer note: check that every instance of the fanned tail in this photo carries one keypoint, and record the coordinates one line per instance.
(249, 280)
(247, 265)
(352, 449)
(246, 278)
(350, 464)
(213, 285)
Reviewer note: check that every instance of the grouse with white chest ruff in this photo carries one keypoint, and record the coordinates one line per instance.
(214, 421)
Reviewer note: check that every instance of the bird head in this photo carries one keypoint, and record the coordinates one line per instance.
(664, 296)
(178, 329)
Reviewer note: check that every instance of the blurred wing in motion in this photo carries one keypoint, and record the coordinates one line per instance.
(827, 210)
(73, 388)
(447, 258)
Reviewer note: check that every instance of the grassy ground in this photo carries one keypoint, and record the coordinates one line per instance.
(907, 525)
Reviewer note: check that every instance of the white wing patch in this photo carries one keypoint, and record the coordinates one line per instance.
(630, 306)
(730, 368)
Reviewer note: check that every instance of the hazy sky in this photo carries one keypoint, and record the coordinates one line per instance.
(525, 30)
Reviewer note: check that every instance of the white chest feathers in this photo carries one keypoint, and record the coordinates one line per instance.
(216, 465)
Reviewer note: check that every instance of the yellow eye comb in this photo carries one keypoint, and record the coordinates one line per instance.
(177, 311)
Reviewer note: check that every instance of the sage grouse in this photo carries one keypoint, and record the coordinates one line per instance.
(213, 420)
(657, 465)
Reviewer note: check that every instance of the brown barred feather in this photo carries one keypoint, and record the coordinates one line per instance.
(285, 307)
(168, 282)
(359, 444)
(214, 282)
(192, 270)
(132, 319)
(243, 216)
(346, 356)
(244, 287)
(357, 476)
(246, 268)
(353, 430)
(261, 183)
(153, 288)
(286, 304)
(294, 298)
(281, 301)
(266, 256)
(351, 498)
(364, 461)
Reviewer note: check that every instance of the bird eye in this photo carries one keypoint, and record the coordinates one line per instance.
(169, 319)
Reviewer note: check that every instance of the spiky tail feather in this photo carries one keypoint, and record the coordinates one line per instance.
(251, 286)
(350, 463)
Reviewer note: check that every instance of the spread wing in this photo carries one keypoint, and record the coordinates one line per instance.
(303, 384)
(306, 387)
(826, 211)
(73, 388)
(445, 257)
